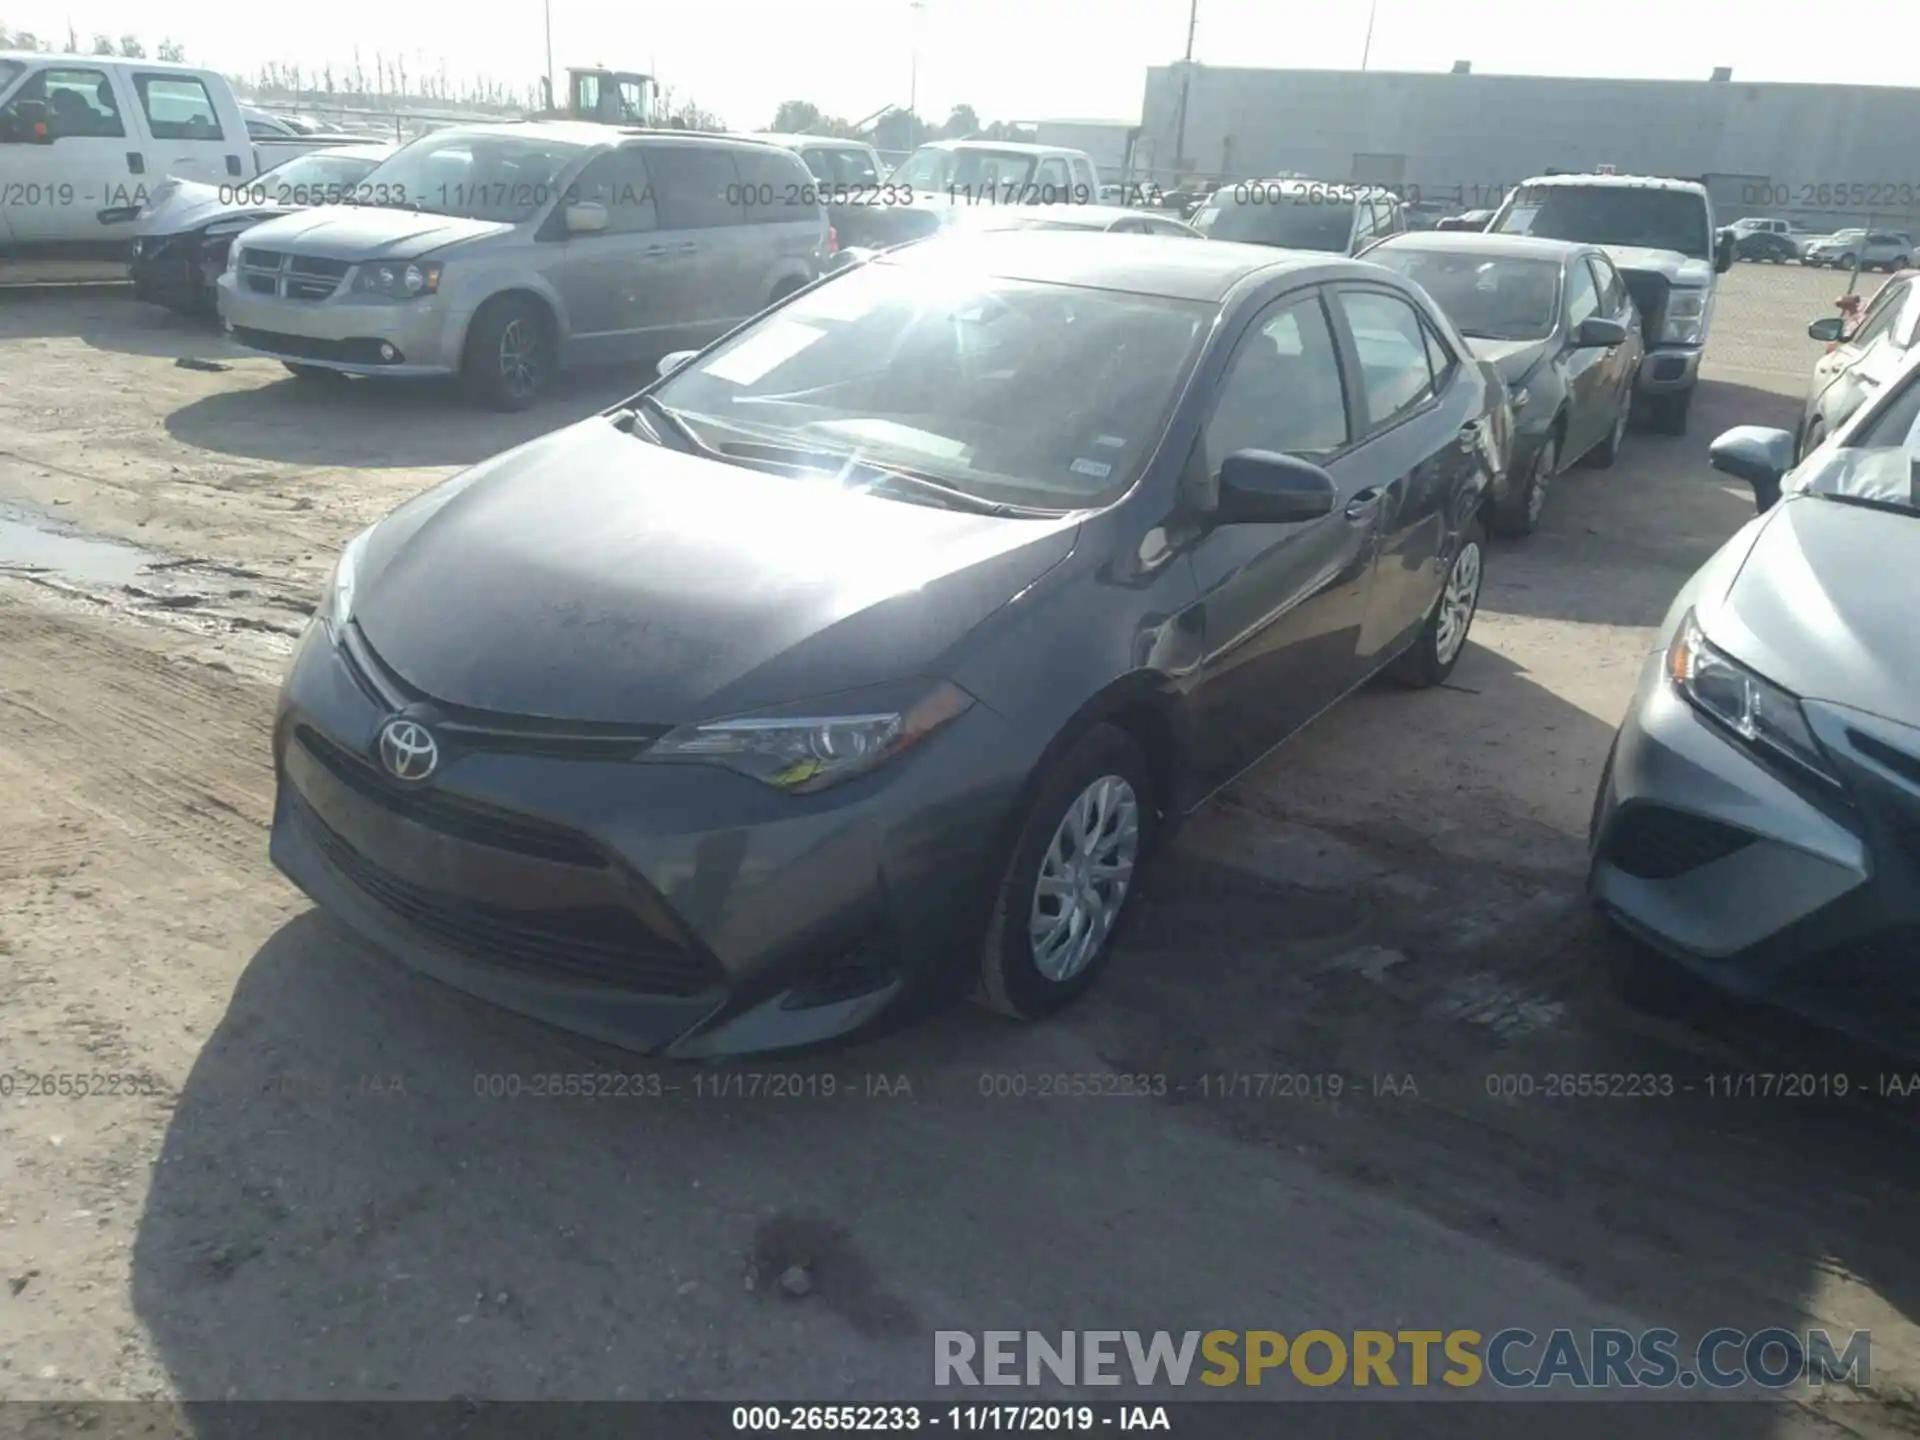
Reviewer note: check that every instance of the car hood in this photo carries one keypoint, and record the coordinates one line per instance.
(1512, 358)
(593, 576)
(365, 232)
(1670, 265)
(1811, 608)
(192, 204)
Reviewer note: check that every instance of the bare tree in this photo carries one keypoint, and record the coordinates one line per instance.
(171, 50)
(103, 45)
(131, 47)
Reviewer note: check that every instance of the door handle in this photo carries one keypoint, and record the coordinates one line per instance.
(136, 163)
(1363, 505)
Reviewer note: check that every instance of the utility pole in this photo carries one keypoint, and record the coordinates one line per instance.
(553, 101)
(1186, 89)
(916, 8)
(1367, 49)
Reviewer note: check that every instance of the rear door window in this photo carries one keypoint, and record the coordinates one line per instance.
(177, 107)
(695, 187)
(775, 186)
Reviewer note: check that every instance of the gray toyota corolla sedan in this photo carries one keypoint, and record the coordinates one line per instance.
(868, 653)
(1758, 818)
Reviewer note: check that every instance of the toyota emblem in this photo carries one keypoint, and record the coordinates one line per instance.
(408, 750)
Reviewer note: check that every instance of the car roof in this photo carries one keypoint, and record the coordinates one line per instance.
(1009, 147)
(1166, 265)
(74, 57)
(1620, 182)
(1478, 242)
(794, 142)
(1077, 217)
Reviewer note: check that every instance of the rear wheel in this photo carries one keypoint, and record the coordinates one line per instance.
(509, 357)
(1443, 639)
(1899, 262)
(1070, 878)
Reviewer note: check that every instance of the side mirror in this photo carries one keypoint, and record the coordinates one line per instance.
(1260, 487)
(587, 218)
(672, 362)
(1828, 328)
(1723, 252)
(1597, 332)
(1757, 455)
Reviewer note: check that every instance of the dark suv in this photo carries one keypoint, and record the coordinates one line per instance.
(1336, 216)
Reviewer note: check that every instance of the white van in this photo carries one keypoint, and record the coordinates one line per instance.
(84, 138)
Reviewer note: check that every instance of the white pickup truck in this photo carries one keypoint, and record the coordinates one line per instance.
(85, 138)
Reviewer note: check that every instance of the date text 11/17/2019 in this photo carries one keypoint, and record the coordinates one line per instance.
(62, 194)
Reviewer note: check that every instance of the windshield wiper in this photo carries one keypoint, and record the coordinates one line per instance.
(949, 496)
(1868, 502)
(660, 419)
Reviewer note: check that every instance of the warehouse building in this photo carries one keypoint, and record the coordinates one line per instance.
(1826, 154)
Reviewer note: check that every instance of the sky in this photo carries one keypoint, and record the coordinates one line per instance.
(1009, 59)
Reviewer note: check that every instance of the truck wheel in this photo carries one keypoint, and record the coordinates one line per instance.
(509, 355)
(1670, 412)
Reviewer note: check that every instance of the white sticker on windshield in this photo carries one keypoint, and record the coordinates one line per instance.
(1112, 442)
(1091, 467)
(759, 354)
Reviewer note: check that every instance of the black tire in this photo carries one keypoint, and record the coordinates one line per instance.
(1423, 664)
(1843, 262)
(1898, 263)
(1602, 456)
(1012, 980)
(1668, 413)
(509, 356)
(784, 289)
(1517, 513)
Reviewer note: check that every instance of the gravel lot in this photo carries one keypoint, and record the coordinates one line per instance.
(304, 1197)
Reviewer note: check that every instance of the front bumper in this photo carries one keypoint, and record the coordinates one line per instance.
(346, 333)
(1761, 882)
(675, 909)
(177, 270)
(1665, 369)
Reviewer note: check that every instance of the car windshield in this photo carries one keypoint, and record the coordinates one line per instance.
(975, 171)
(325, 172)
(1293, 222)
(1012, 392)
(1645, 217)
(1487, 297)
(478, 176)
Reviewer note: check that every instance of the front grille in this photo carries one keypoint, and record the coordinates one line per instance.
(290, 276)
(452, 815)
(601, 945)
(1651, 842)
(309, 347)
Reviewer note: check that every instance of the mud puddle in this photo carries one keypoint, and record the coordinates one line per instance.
(219, 601)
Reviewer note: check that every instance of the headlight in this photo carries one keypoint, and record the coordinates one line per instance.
(409, 280)
(1685, 318)
(336, 602)
(1756, 710)
(801, 750)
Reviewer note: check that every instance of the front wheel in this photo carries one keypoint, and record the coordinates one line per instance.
(1517, 513)
(1443, 639)
(1669, 415)
(1072, 873)
(509, 357)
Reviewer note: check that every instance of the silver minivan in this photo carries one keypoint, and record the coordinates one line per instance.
(506, 253)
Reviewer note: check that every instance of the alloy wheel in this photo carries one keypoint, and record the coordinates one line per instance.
(1084, 878)
(1458, 603)
(519, 358)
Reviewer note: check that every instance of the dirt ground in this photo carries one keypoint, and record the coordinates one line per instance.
(302, 1192)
